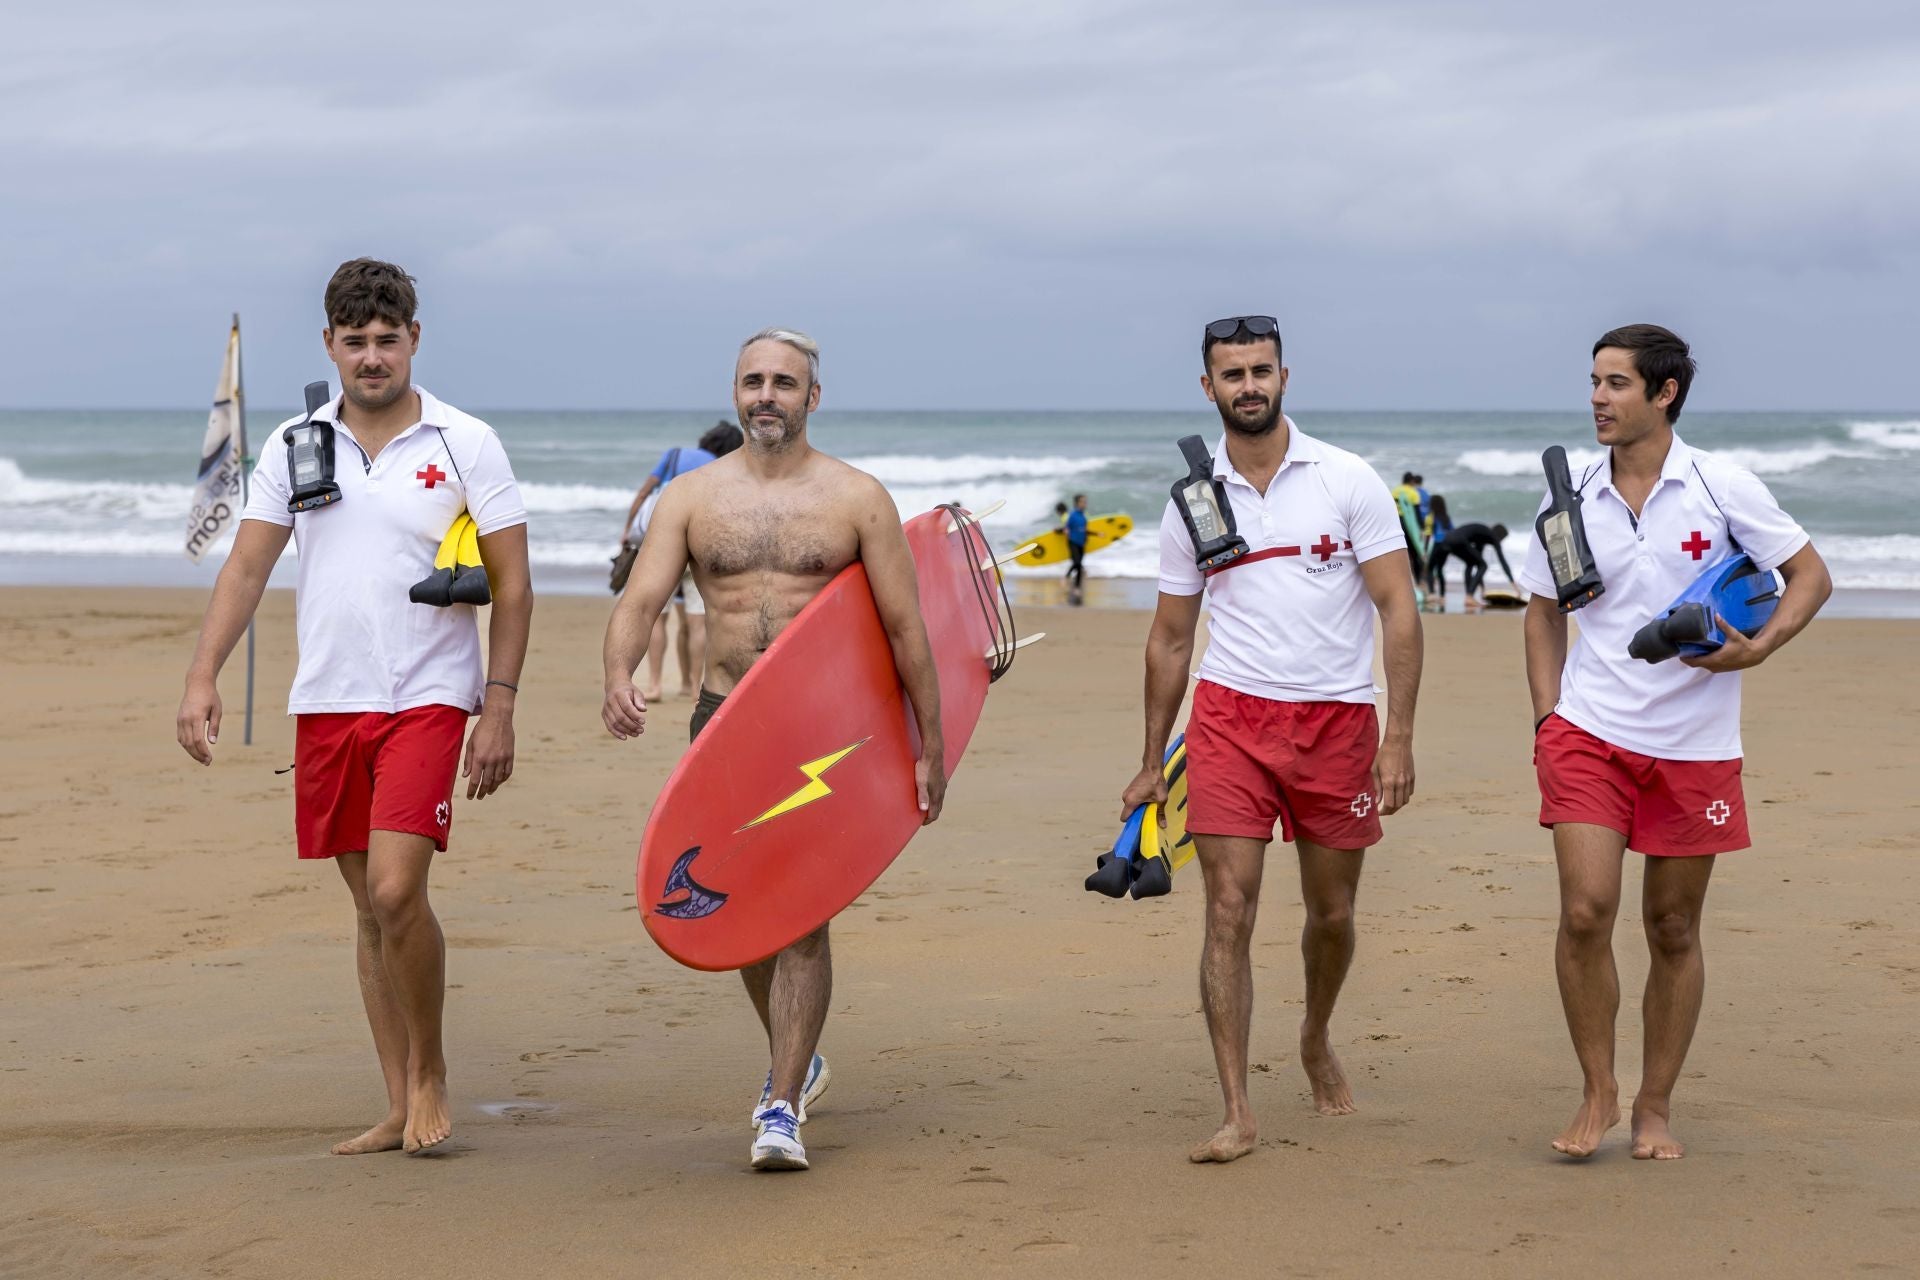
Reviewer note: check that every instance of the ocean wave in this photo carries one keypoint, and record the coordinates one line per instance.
(1520, 462)
(1888, 435)
(905, 468)
(117, 499)
(1780, 462)
(559, 499)
(1762, 462)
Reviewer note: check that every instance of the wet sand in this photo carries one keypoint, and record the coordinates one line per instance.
(1019, 1066)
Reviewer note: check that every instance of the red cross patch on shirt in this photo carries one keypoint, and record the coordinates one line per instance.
(434, 475)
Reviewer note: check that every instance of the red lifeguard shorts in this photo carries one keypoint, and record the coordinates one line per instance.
(1309, 764)
(1666, 808)
(361, 771)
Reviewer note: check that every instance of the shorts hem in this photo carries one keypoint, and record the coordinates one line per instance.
(1554, 819)
(1335, 844)
(1670, 851)
(439, 838)
(1244, 831)
(331, 853)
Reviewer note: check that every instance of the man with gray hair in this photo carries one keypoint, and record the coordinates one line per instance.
(764, 529)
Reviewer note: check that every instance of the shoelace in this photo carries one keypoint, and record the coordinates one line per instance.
(779, 1120)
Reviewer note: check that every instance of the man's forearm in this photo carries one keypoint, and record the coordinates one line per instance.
(507, 632)
(1546, 649)
(1404, 659)
(1807, 590)
(913, 658)
(626, 643)
(236, 594)
(1166, 685)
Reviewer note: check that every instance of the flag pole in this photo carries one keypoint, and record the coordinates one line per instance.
(246, 474)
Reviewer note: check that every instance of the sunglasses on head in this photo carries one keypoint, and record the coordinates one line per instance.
(1253, 326)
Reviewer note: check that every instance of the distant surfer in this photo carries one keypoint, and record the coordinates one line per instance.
(1469, 543)
(384, 685)
(1283, 725)
(716, 441)
(1076, 530)
(1638, 756)
(765, 529)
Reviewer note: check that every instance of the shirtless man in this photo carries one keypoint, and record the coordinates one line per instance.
(765, 528)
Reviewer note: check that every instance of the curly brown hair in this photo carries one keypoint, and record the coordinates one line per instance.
(366, 288)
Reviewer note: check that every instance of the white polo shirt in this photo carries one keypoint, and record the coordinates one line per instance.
(363, 645)
(1292, 620)
(1698, 507)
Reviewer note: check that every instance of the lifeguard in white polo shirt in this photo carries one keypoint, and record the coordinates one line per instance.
(1639, 755)
(1283, 726)
(385, 685)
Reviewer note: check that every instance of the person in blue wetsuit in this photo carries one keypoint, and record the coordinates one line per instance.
(1077, 548)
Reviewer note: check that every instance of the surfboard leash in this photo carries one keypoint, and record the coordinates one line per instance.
(980, 561)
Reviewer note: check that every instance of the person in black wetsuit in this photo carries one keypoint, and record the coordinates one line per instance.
(1468, 544)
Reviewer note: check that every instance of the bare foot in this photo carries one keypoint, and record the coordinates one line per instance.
(1232, 1142)
(428, 1124)
(651, 696)
(1652, 1138)
(1590, 1123)
(686, 691)
(1332, 1096)
(385, 1136)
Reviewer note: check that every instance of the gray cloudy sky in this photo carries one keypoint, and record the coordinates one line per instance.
(980, 203)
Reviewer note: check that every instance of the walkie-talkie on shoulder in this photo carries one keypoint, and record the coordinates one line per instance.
(1564, 534)
(1202, 503)
(310, 455)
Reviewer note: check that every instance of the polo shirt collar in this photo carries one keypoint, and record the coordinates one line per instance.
(1677, 467)
(1301, 447)
(432, 413)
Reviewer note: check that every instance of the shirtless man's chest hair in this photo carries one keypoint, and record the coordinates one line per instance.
(760, 550)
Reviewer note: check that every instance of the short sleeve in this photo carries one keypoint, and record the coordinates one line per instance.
(271, 490)
(659, 471)
(1179, 575)
(1767, 534)
(1536, 575)
(493, 496)
(1373, 518)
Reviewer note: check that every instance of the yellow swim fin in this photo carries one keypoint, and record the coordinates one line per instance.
(470, 584)
(444, 585)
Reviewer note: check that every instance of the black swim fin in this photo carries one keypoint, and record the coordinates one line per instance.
(1155, 879)
(1110, 876)
(435, 589)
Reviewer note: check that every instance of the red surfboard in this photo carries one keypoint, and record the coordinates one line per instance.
(800, 790)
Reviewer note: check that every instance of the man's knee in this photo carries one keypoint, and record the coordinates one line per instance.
(1673, 934)
(396, 904)
(811, 947)
(1587, 920)
(1230, 914)
(1331, 918)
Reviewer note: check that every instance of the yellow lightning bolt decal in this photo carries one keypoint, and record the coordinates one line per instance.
(815, 788)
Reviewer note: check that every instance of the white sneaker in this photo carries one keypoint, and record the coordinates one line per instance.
(778, 1146)
(819, 1076)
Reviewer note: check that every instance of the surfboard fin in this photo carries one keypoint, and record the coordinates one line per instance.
(1021, 643)
(975, 517)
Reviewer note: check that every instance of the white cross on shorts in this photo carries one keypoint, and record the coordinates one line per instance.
(1718, 812)
(1362, 805)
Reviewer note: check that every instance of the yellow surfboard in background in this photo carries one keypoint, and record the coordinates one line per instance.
(1050, 547)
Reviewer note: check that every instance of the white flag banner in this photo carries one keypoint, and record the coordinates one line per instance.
(216, 494)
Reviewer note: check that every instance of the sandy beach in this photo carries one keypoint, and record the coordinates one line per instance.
(1019, 1066)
